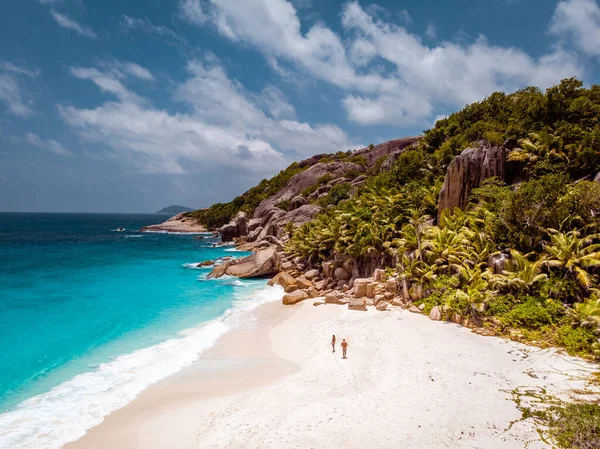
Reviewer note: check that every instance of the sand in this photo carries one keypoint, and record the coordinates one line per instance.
(408, 382)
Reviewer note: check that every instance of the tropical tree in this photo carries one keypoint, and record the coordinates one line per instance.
(574, 254)
(522, 274)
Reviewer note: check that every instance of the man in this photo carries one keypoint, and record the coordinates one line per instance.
(333, 343)
(344, 346)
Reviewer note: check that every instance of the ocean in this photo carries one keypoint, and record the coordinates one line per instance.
(89, 317)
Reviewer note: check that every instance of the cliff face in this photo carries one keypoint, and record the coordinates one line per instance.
(467, 171)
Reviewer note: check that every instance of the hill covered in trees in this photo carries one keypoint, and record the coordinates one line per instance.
(518, 249)
(522, 255)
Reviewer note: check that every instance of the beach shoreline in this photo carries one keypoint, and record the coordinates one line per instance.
(274, 382)
(178, 224)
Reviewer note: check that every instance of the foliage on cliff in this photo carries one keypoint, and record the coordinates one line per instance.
(543, 231)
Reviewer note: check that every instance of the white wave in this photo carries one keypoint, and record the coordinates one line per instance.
(65, 413)
(233, 250)
(133, 236)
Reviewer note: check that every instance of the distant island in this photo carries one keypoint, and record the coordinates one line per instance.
(174, 209)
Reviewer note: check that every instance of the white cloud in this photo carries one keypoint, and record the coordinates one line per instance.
(66, 22)
(10, 67)
(580, 21)
(138, 71)
(405, 16)
(107, 82)
(129, 23)
(431, 31)
(226, 126)
(421, 79)
(11, 90)
(50, 144)
(193, 11)
(277, 103)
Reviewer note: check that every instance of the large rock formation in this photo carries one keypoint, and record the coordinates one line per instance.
(467, 171)
(238, 227)
(299, 216)
(385, 149)
(264, 262)
(297, 202)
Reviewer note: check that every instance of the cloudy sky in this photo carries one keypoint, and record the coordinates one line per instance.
(132, 105)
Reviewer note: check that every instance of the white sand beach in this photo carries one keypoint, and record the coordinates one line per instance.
(408, 382)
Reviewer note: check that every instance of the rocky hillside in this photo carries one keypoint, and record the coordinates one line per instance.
(296, 195)
(491, 219)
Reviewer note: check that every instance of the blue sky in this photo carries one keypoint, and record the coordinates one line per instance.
(132, 105)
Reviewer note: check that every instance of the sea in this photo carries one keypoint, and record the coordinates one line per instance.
(91, 316)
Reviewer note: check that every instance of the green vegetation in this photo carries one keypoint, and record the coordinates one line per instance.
(521, 259)
(284, 205)
(564, 425)
(337, 193)
(559, 126)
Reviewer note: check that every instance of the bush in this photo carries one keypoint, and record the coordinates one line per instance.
(325, 179)
(575, 425)
(501, 305)
(533, 313)
(337, 193)
(309, 190)
(358, 160)
(284, 205)
(352, 174)
(576, 340)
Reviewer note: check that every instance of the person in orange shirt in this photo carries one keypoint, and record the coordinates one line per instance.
(333, 343)
(344, 347)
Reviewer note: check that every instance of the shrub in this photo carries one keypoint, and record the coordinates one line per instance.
(533, 313)
(324, 179)
(309, 190)
(358, 160)
(337, 193)
(576, 340)
(284, 205)
(574, 425)
(501, 305)
(352, 174)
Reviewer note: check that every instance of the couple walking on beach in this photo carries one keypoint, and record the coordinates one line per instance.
(344, 346)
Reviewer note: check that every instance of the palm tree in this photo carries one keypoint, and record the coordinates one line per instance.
(412, 234)
(521, 274)
(445, 249)
(574, 254)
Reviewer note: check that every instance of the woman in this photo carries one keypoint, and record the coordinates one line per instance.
(333, 343)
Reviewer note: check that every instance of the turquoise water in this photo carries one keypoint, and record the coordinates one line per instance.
(87, 310)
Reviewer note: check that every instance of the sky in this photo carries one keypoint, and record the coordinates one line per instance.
(133, 105)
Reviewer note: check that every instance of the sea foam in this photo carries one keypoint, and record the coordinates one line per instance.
(66, 412)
